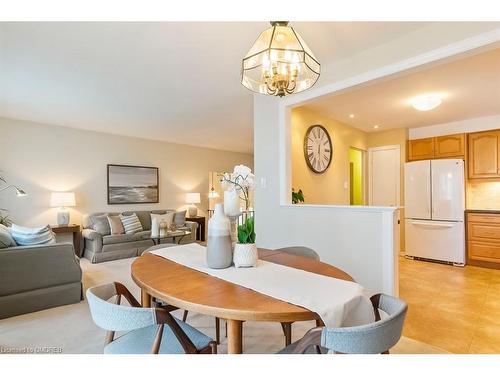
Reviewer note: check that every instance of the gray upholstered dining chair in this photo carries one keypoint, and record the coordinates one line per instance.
(150, 330)
(373, 338)
(302, 251)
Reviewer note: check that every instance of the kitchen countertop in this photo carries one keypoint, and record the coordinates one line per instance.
(482, 211)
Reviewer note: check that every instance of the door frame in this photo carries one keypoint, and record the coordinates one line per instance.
(398, 171)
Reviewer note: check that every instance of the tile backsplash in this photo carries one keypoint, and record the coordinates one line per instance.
(483, 194)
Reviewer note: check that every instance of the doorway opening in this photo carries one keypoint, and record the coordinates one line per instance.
(356, 176)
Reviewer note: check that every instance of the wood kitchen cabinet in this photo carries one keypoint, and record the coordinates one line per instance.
(484, 150)
(449, 146)
(421, 149)
(446, 146)
(483, 239)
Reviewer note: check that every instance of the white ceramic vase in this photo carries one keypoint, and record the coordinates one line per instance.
(245, 255)
(219, 252)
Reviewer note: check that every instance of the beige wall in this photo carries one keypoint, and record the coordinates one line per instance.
(328, 187)
(394, 137)
(43, 158)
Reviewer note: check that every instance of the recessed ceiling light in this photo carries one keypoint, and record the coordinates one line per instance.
(351, 116)
(375, 126)
(426, 102)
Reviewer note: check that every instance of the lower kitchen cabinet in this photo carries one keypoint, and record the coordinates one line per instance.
(483, 238)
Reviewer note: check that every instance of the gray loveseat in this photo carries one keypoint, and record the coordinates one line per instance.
(101, 246)
(38, 277)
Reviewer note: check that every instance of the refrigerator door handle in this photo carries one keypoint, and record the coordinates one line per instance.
(431, 224)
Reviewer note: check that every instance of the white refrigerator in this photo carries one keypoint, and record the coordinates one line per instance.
(434, 210)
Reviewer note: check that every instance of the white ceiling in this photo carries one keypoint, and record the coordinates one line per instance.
(177, 82)
(470, 87)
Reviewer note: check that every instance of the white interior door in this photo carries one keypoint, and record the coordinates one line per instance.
(384, 176)
(448, 202)
(418, 189)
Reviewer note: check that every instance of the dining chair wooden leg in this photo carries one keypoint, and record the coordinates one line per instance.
(213, 346)
(217, 330)
(287, 330)
(185, 316)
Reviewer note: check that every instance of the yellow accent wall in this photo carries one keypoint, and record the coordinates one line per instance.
(356, 159)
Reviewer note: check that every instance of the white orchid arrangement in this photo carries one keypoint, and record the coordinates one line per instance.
(242, 180)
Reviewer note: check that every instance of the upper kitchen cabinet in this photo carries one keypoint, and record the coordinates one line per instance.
(421, 149)
(484, 154)
(449, 146)
(446, 146)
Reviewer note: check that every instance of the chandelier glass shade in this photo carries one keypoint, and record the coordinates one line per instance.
(279, 63)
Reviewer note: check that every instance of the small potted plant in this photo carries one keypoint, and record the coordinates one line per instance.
(245, 251)
(297, 196)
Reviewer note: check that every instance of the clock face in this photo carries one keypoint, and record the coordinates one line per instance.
(318, 149)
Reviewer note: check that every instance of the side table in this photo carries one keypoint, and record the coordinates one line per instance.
(200, 231)
(70, 228)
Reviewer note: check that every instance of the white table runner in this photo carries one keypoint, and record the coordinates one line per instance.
(337, 302)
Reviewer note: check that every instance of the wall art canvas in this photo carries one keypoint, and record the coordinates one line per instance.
(132, 184)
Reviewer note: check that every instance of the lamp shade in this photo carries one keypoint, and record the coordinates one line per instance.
(62, 199)
(193, 198)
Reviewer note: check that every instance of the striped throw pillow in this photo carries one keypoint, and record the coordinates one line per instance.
(131, 223)
(32, 236)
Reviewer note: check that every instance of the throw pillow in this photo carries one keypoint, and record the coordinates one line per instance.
(180, 218)
(131, 224)
(115, 224)
(25, 236)
(6, 239)
(100, 224)
(167, 218)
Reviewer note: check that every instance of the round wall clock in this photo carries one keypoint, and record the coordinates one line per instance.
(318, 149)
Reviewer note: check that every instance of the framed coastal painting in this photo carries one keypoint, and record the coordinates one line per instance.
(129, 184)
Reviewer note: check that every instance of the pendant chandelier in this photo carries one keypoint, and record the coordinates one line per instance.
(279, 62)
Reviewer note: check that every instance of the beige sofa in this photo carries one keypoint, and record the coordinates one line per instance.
(101, 246)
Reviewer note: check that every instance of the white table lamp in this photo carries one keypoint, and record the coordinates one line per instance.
(62, 200)
(192, 199)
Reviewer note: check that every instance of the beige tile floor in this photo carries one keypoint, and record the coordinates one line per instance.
(456, 309)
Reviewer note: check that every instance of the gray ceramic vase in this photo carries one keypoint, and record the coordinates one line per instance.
(219, 253)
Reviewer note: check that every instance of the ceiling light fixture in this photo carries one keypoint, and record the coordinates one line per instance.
(426, 102)
(375, 126)
(279, 62)
(351, 116)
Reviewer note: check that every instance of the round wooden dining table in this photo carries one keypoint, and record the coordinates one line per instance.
(192, 290)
